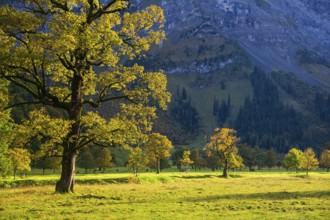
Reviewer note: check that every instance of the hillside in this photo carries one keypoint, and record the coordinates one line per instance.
(213, 47)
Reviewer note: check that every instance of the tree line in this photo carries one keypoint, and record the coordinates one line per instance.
(223, 151)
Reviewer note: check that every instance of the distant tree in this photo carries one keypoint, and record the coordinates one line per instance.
(260, 157)
(270, 158)
(104, 159)
(184, 94)
(215, 106)
(21, 159)
(309, 160)
(222, 85)
(213, 162)
(157, 147)
(198, 161)
(48, 163)
(164, 163)
(325, 159)
(248, 155)
(176, 157)
(293, 159)
(137, 159)
(223, 145)
(85, 160)
(185, 160)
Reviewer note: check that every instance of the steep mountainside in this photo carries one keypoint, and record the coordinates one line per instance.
(213, 45)
(271, 31)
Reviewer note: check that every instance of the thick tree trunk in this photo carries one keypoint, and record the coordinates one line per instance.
(67, 181)
(158, 166)
(225, 170)
(70, 152)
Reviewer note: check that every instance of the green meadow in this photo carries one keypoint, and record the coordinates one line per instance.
(171, 195)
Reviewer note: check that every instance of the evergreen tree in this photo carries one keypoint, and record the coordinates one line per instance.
(185, 114)
(184, 94)
(264, 120)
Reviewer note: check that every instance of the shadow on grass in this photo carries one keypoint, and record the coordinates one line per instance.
(207, 176)
(264, 196)
(29, 182)
(195, 176)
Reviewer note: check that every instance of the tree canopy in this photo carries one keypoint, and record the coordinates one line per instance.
(137, 159)
(71, 55)
(21, 159)
(157, 147)
(223, 145)
(309, 160)
(293, 159)
(325, 159)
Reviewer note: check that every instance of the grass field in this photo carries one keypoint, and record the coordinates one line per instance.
(173, 195)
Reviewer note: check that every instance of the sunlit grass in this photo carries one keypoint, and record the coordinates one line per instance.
(194, 195)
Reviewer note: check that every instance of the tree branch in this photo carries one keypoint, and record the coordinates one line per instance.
(104, 10)
(96, 104)
(22, 103)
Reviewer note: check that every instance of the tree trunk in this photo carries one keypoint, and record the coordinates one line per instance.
(225, 170)
(71, 145)
(15, 174)
(158, 166)
(66, 183)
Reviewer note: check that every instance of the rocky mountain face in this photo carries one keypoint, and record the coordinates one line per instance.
(270, 31)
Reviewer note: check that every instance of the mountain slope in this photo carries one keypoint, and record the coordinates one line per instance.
(270, 31)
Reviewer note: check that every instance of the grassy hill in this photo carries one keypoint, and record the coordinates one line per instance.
(203, 97)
